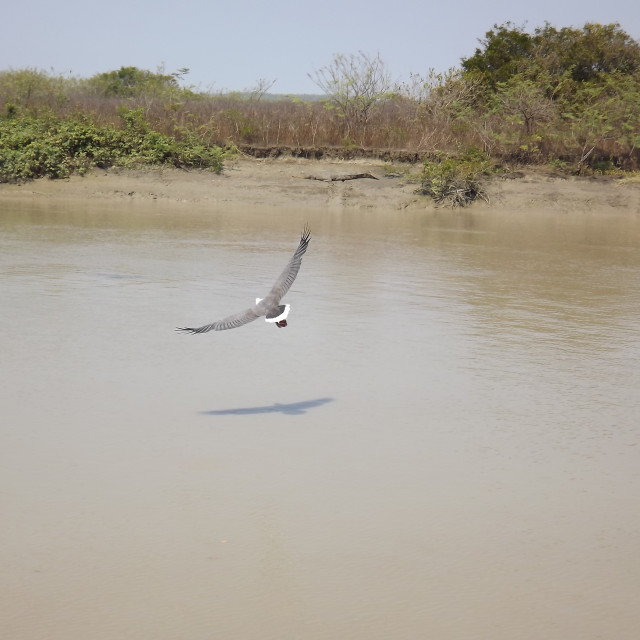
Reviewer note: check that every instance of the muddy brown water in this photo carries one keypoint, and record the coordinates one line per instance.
(444, 443)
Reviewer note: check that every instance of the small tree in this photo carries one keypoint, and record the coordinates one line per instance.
(259, 90)
(525, 100)
(505, 49)
(31, 88)
(128, 82)
(603, 117)
(443, 105)
(355, 84)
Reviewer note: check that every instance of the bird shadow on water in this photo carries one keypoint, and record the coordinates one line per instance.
(291, 409)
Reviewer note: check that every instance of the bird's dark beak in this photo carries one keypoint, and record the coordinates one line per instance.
(281, 323)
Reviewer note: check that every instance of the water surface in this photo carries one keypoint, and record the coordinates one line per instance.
(444, 442)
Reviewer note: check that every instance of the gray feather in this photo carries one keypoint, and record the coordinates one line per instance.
(268, 306)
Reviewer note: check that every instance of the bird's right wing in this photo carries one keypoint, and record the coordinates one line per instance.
(284, 282)
(230, 322)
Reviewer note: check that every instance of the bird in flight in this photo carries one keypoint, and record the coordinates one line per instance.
(269, 306)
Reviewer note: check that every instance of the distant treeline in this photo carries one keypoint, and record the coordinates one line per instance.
(564, 97)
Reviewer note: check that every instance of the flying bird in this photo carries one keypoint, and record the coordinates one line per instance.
(269, 306)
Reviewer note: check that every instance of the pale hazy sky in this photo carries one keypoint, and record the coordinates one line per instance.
(231, 45)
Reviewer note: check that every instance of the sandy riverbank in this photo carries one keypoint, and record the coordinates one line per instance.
(284, 183)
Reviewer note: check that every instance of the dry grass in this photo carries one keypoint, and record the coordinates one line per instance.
(399, 126)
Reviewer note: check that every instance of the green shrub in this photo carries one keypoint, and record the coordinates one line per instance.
(456, 181)
(33, 147)
(129, 82)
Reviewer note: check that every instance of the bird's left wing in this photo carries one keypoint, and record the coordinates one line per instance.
(230, 322)
(284, 282)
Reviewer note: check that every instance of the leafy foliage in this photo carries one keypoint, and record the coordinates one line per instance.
(456, 182)
(585, 54)
(504, 49)
(33, 147)
(131, 82)
(33, 89)
(562, 94)
(581, 55)
(566, 97)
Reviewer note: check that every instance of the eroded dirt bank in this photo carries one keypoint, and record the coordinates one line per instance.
(284, 182)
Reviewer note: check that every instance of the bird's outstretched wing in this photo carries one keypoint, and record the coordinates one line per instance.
(284, 282)
(230, 322)
(268, 305)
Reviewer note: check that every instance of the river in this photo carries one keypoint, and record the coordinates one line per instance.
(443, 443)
